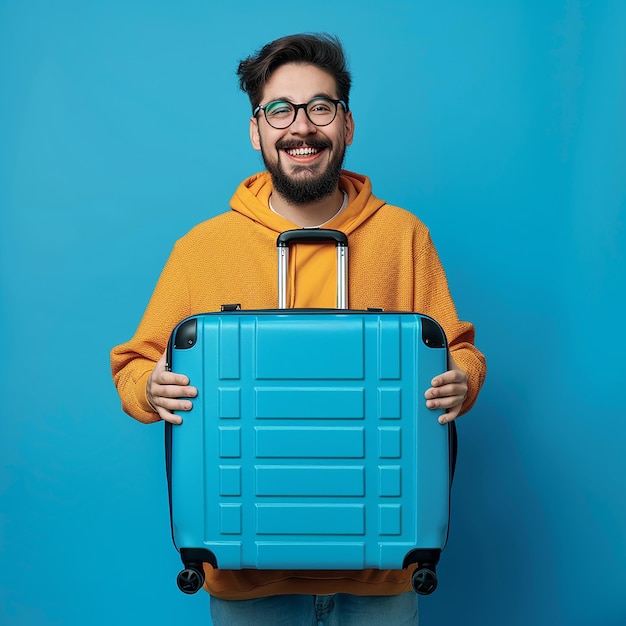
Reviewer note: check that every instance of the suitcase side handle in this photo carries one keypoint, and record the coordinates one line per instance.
(313, 235)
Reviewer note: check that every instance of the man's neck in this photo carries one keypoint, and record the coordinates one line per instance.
(311, 214)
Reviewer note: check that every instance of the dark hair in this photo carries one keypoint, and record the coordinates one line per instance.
(320, 49)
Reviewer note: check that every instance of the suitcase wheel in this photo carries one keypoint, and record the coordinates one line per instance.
(424, 580)
(190, 580)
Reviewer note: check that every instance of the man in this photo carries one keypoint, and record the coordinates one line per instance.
(302, 124)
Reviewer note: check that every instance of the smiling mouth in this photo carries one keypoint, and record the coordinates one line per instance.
(304, 149)
(303, 152)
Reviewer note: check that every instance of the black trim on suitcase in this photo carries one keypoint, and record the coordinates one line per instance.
(186, 335)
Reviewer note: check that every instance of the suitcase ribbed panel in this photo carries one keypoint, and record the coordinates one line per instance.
(309, 445)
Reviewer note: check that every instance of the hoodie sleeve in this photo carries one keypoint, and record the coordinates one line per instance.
(432, 296)
(133, 361)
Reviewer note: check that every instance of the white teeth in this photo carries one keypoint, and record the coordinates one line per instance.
(302, 151)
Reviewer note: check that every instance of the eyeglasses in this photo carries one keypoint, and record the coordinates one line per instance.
(281, 113)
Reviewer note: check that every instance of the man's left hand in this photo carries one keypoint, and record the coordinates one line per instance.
(448, 391)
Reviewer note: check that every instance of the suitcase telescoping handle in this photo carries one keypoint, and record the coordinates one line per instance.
(313, 235)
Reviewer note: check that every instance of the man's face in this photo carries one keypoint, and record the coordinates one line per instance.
(304, 160)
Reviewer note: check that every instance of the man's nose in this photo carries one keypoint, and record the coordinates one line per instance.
(302, 125)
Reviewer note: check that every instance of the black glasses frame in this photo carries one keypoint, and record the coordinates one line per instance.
(297, 107)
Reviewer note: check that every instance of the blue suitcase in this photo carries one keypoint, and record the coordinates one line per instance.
(309, 445)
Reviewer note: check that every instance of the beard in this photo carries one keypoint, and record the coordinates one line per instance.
(310, 186)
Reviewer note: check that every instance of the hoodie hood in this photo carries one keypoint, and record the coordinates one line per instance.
(252, 200)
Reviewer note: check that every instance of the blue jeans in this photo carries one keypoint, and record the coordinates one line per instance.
(341, 609)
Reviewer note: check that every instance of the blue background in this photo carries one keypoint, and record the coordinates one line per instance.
(501, 124)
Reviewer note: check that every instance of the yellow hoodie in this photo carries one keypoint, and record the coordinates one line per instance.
(231, 258)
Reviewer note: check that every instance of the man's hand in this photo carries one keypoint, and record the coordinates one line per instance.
(448, 391)
(164, 390)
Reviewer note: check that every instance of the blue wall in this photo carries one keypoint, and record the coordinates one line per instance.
(501, 124)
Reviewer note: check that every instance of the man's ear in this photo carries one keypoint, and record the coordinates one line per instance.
(349, 127)
(255, 139)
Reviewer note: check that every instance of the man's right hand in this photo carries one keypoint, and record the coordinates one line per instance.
(164, 391)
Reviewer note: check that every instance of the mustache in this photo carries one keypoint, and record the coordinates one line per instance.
(316, 143)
